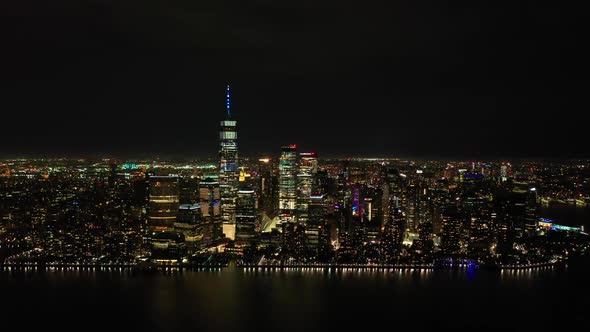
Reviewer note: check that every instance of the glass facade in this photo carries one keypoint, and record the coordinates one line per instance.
(308, 166)
(228, 169)
(209, 193)
(287, 183)
(246, 216)
(163, 202)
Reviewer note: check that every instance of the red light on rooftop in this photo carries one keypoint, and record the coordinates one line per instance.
(307, 154)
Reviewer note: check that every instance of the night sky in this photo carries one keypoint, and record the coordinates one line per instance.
(393, 78)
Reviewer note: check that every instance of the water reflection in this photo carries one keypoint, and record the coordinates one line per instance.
(293, 298)
(422, 273)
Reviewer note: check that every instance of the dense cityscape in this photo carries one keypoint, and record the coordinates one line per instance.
(294, 209)
(294, 166)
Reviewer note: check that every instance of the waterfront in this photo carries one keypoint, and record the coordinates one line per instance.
(565, 214)
(299, 299)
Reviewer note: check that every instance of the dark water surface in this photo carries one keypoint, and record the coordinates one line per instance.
(568, 215)
(236, 300)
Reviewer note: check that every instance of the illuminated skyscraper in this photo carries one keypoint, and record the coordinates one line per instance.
(371, 211)
(503, 223)
(316, 224)
(163, 202)
(505, 171)
(189, 222)
(451, 231)
(412, 201)
(288, 183)
(524, 206)
(476, 217)
(228, 164)
(246, 216)
(425, 218)
(393, 234)
(209, 194)
(308, 166)
(267, 187)
(394, 192)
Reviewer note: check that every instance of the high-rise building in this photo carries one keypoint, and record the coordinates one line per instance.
(228, 164)
(308, 166)
(287, 183)
(505, 172)
(316, 224)
(372, 211)
(425, 219)
(267, 188)
(524, 207)
(451, 231)
(189, 190)
(503, 231)
(189, 223)
(441, 199)
(393, 234)
(163, 202)
(412, 199)
(246, 216)
(209, 193)
(476, 216)
(394, 190)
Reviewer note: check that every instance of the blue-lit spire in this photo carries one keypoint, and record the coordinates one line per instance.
(227, 98)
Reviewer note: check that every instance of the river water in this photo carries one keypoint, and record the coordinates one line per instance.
(303, 300)
(568, 215)
(298, 300)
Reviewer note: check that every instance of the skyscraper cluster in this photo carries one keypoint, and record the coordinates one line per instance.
(288, 208)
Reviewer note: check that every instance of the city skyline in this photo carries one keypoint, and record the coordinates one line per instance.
(294, 165)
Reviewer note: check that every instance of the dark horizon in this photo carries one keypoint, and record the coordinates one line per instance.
(463, 80)
(275, 154)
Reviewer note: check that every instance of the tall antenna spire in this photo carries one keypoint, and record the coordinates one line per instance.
(227, 99)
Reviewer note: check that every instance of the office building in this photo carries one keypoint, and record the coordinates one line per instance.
(228, 164)
(209, 194)
(287, 183)
(246, 216)
(308, 167)
(163, 202)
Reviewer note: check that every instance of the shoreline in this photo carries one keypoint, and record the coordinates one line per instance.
(359, 267)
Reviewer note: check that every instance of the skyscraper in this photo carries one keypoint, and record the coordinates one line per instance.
(393, 234)
(288, 183)
(476, 217)
(371, 211)
(189, 222)
(209, 194)
(316, 223)
(163, 202)
(246, 216)
(451, 231)
(523, 207)
(394, 191)
(228, 164)
(267, 188)
(308, 166)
